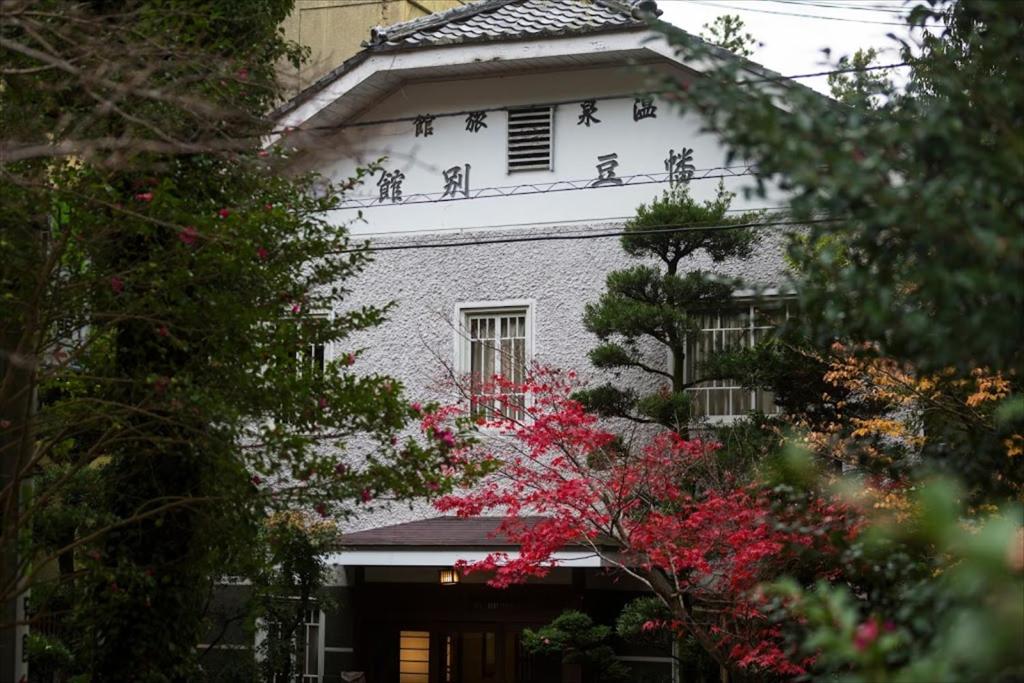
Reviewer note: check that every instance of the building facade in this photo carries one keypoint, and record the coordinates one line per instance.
(514, 138)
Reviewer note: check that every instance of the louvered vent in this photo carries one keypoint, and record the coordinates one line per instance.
(529, 139)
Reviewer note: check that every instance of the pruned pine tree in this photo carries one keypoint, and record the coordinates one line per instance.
(656, 304)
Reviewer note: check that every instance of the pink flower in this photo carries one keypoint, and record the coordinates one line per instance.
(433, 485)
(322, 402)
(366, 496)
(243, 74)
(144, 197)
(4, 424)
(350, 359)
(321, 509)
(268, 206)
(865, 634)
(188, 235)
(163, 331)
(263, 154)
(296, 308)
(256, 480)
(262, 253)
(446, 437)
(416, 407)
(224, 213)
(116, 284)
(341, 469)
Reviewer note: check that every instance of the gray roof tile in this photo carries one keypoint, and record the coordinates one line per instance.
(507, 20)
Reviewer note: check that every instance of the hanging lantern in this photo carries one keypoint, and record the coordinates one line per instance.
(448, 576)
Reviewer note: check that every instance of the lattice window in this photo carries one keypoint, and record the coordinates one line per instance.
(496, 342)
(738, 328)
(414, 657)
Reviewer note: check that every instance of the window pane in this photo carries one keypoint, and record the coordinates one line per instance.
(414, 657)
(312, 647)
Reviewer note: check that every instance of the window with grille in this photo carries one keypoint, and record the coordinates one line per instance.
(726, 330)
(414, 657)
(495, 341)
(530, 139)
(305, 648)
(313, 354)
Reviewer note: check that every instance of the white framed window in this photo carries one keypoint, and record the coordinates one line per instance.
(314, 355)
(494, 338)
(530, 139)
(306, 648)
(739, 327)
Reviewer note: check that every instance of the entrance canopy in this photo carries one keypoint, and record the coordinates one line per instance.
(443, 541)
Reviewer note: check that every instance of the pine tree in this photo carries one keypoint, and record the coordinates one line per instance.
(658, 303)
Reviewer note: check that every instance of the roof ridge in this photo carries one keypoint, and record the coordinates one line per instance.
(380, 35)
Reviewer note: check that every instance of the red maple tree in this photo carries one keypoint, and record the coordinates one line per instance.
(703, 547)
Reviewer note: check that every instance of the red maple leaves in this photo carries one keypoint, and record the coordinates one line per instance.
(704, 550)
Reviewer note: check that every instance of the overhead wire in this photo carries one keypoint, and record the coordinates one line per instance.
(667, 229)
(712, 3)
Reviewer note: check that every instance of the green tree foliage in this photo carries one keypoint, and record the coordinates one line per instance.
(165, 297)
(914, 259)
(655, 304)
(727, 32)
(857, 81)
(575, 637)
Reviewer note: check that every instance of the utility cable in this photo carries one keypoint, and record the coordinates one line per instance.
(583, 236)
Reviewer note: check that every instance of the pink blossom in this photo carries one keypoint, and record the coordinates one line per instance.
(446, 437)
(350, 359)
(188, 235)
(256, 480)
(416, 407)
(262, 253)
(865, 634)
(4, 424)
(341, 469)
(243, 74)
(263, 154)
(296, 308)
(366, 496)
(322, 402)
(116, 284)
(224, 213)
(144, 197)
(321, 509)
(163, 331)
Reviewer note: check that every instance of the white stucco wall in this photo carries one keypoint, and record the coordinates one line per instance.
(642, 147)
(559, 276)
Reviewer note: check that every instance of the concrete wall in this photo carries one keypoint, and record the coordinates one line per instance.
(334, 29)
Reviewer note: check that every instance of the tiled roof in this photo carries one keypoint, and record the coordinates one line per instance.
(486, 20)
(438, 532)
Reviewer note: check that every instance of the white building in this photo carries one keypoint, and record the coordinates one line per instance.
(517, 136)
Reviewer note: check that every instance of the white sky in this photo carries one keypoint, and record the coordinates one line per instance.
(792, 44)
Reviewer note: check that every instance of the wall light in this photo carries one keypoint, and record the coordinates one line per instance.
(448, 576)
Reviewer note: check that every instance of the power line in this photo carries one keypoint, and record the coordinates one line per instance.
(777, 209)
(584, 236)
(899, 10)
(710, 3)
(412, 119)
